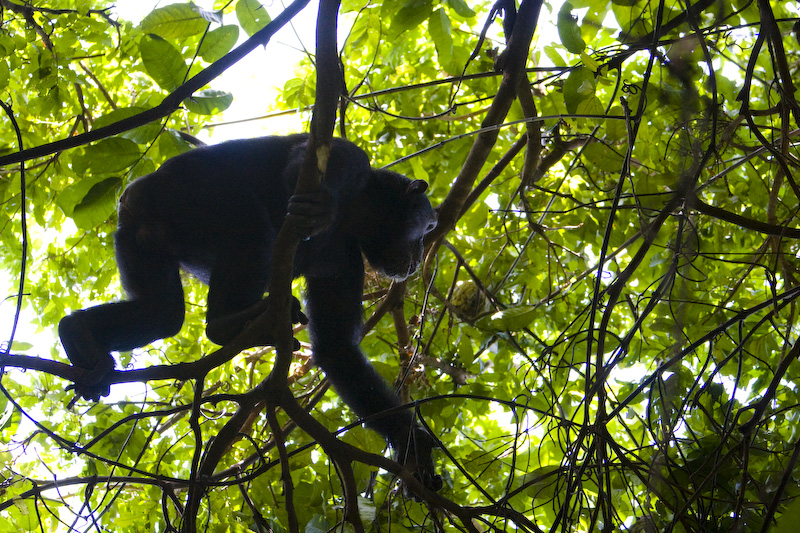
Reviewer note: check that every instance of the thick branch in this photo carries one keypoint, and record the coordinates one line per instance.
(312, 171)
(516, 55)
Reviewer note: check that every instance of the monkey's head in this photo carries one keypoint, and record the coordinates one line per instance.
(395, 217)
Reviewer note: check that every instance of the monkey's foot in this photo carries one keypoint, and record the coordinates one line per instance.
(92, 384)
(86, 354)
(417, 456)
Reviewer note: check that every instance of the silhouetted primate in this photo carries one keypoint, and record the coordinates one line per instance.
(214, 212)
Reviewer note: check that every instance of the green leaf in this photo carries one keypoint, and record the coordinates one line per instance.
(367, 510)
(511, 319)
(411, 15)
(9, 421)
(461, 8)
(554, 56)
(252, 16)
(20, 346)
(175, 21)
(603, 157)
(419, 170)
(106, 156)
(569, 31)
(208, 102)
(318, 524)
(4, 74)
(98, 204)
(297, 92)
(7, 45)
(218, 42)
(590, 62)
(90, 204)
(439, 28)
(466, 353)
(579, 86)
(591, 106)
(162, 62)
(171, 144)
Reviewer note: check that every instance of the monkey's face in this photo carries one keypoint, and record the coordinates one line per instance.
(394, 243)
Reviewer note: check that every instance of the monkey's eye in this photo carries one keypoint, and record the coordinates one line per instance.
(430, 227)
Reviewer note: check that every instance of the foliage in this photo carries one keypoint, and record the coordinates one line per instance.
(602, 337)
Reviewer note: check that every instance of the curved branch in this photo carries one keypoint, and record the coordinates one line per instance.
(515, 57)
(286, 473)
(279, 310)
(748, 223)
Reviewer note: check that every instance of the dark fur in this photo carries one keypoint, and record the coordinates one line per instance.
(215, 212)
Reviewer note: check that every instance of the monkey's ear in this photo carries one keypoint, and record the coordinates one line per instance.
(417, 187)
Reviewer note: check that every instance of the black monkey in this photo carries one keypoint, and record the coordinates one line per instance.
(214, 212)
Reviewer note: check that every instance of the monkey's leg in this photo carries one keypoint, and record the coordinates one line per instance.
(237, 285)
(155, 310)
(334, 310)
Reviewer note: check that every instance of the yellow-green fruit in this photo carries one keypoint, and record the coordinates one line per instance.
(468, 299)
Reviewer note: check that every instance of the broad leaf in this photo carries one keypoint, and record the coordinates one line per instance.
(107, 156)
(578, 87)
(569, 31)
(411, 15)
(90, 204)
(175, 21)
(208, 102)
(439, 28)
(251, 15)
(218, 42)
(461, 8)
(162, 61)
(511, 319)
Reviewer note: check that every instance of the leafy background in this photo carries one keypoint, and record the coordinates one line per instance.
(604, 339)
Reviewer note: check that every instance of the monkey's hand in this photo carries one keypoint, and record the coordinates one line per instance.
(416, 454)
(311, 213)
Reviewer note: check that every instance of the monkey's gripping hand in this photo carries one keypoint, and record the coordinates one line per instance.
(416, 454)
(311, 213)
(85, 353)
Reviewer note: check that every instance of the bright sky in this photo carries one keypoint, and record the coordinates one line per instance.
(254, 80)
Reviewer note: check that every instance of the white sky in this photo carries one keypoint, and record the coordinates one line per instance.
(254, 81)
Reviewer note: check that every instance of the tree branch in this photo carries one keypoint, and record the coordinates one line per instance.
(312, 171)
(278, 316)
(694, 202)
(516, 55)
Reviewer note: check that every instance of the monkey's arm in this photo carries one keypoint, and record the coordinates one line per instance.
(334, 309)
